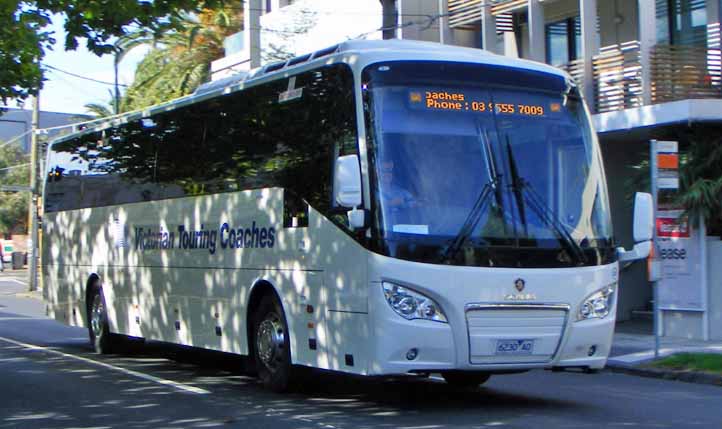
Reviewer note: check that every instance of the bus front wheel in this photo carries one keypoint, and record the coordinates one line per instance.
(465, 379)
(271, 345)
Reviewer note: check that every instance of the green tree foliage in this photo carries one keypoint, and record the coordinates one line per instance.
(99, 110)
(24, 34)
(701, 179)
(180, 60)
(13, 205)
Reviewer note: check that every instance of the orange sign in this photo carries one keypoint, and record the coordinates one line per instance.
(669, 161)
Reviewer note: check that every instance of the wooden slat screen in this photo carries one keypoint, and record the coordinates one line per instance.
(464, 13)
(576, 70)
(680, 72)
(617, 77)
(506, 6)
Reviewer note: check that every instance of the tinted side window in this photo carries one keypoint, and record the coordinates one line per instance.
(256, 138)
(115, 166)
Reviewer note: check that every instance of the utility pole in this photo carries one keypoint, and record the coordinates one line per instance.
(116, 96)
(33, 257)
(390, 19)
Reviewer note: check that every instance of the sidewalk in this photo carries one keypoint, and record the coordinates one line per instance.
(15, 283)
(640, 348)
(633, 348)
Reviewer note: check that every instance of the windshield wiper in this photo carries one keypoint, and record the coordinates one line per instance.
(519, 186)
(482, 201)
(516, 187)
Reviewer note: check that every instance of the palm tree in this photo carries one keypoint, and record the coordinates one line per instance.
(179, 61)
(101, 110)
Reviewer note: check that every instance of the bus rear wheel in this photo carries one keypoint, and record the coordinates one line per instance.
(98, 330)
(271, 345)
(464, 379)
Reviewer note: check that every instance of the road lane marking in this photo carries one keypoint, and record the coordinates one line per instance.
(10, 279)
(174, 384)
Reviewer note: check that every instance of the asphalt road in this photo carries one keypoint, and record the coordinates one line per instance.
(49, 378)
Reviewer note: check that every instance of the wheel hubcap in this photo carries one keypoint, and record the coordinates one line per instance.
(270, 339)
(97, 315)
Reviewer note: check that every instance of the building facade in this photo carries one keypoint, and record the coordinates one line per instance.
(649, 69)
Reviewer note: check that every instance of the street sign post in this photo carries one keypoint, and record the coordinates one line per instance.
(664, 175)
(664, 172)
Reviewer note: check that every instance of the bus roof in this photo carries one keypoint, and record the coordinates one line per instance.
(363, 52)
(370, 51)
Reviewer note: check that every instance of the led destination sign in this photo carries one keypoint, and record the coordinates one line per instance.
(454, 101)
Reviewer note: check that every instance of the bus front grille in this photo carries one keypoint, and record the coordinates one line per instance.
(514, 333)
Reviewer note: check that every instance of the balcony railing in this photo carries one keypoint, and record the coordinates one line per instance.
(683, 71)
(576, 70)
(617, 77)
(676, 72)
(463, 13)
(506, 6)
(466, 14)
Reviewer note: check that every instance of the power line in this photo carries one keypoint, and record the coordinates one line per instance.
(322, 12)
(83, 77)
(15, 166)
(425, 25)
(85, 91)
(16, 138)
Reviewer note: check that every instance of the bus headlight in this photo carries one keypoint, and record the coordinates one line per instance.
(410, 304)
(599, 304)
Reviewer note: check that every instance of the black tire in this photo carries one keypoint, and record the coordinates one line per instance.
(101, 339)
(464, 379)
(271, 345)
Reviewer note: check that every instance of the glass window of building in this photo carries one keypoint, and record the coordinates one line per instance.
(682, 22)
(563, 41)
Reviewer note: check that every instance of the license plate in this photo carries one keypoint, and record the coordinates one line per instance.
(514, 347)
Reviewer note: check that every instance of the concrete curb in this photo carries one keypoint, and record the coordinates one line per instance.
(667, 374)
(32, 295)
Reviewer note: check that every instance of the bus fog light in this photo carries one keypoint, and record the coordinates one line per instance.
(412, 353)
(410, 304)
(597, 305)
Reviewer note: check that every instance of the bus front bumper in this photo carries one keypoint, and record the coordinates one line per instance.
(409, 346)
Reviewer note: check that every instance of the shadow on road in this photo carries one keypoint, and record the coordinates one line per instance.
(52, 391)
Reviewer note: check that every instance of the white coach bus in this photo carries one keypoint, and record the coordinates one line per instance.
(375, 208)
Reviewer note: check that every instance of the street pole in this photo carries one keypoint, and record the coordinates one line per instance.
(390, 21)
(116, 96)
(33, 259)
(655, 286)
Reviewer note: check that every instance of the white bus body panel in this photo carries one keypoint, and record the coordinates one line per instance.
(149, 291)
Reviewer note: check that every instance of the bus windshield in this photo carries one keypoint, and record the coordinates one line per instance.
(474, 165)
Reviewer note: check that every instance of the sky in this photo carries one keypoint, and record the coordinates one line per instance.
(68, 94)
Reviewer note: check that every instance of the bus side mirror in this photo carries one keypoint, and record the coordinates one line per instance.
(643, 229)
(643, 217)
(347, 181)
